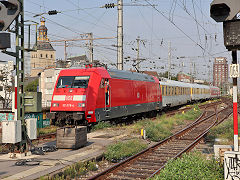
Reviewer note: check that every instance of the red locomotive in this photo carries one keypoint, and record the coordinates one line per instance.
(83, 96)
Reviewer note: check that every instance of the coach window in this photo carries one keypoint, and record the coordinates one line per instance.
(163, 90)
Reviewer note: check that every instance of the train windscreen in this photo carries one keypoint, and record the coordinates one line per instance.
(73, 82)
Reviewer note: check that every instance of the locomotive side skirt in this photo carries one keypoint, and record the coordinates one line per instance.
(121, 111)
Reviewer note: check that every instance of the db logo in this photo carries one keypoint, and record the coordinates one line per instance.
(69, 98)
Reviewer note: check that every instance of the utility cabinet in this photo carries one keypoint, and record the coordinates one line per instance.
(33, 102)
(32, 128)
(11, 132)
(71, 138)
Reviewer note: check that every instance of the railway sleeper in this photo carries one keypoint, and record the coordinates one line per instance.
(157, 158)
(177, 144)
(118, 178)
(152, 161)
(132, 175)
(140, 171)
(150, 164)
(172, 146)
(176, 141)
(152, 168)
(165, 153)
(172, 149)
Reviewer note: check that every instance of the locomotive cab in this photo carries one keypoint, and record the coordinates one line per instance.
(70, 95)
(74, 96)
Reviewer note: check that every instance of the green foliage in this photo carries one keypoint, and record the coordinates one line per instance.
(122, 150)
(47, 130)
(101, 125)
(163, 125)
(75, 171)
(223, 131)
(165, 75)
(32, 86)
(191, 115)
(191, 166)
(158, 131)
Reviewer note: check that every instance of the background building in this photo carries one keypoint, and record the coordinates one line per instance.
(47, 82)
(44, 56)
(220, 73)
(184, 77)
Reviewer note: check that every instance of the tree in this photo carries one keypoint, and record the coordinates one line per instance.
(165, 75)
(6, 86)
(32, 86)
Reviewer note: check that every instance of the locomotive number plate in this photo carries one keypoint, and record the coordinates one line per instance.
(234, 70)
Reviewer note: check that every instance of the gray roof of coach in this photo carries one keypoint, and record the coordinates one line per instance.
(129, 75)
(175, 83)
(182, 84)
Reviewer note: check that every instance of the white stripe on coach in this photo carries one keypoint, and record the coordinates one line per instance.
(79, 97)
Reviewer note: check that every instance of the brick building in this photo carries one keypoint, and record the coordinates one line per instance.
(220, 73)
(184, 77)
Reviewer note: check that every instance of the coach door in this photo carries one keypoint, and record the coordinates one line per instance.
(107, 98)
(158, 96)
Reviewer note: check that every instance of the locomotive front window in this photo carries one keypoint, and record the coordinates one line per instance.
(80, 82)
(73, 82)
(65, 81)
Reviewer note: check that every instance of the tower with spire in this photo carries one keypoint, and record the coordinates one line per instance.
(44, 56)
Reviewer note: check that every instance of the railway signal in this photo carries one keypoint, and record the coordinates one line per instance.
(226, 11)
(9, 10)
(12, 11)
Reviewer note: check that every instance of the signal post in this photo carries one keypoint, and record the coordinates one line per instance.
(226, 11)
(12, 11)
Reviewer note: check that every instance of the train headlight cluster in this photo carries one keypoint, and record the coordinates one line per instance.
(81, 104)
(55, 105)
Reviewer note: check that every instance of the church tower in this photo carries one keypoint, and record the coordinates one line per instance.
(44, 56)
(42, 31)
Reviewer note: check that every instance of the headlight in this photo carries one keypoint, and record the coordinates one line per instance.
(55, 105)
(81, 104)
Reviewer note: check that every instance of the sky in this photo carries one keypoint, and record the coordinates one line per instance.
(195, 38)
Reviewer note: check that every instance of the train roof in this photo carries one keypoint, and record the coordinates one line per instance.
(117, 74)
(110, 73)
(182, 84)
(175, 83)
(200, 86)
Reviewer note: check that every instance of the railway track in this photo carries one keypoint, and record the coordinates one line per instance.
(150, 161)
(202, 106)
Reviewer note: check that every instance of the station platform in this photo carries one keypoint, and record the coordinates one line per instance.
(55, 161)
